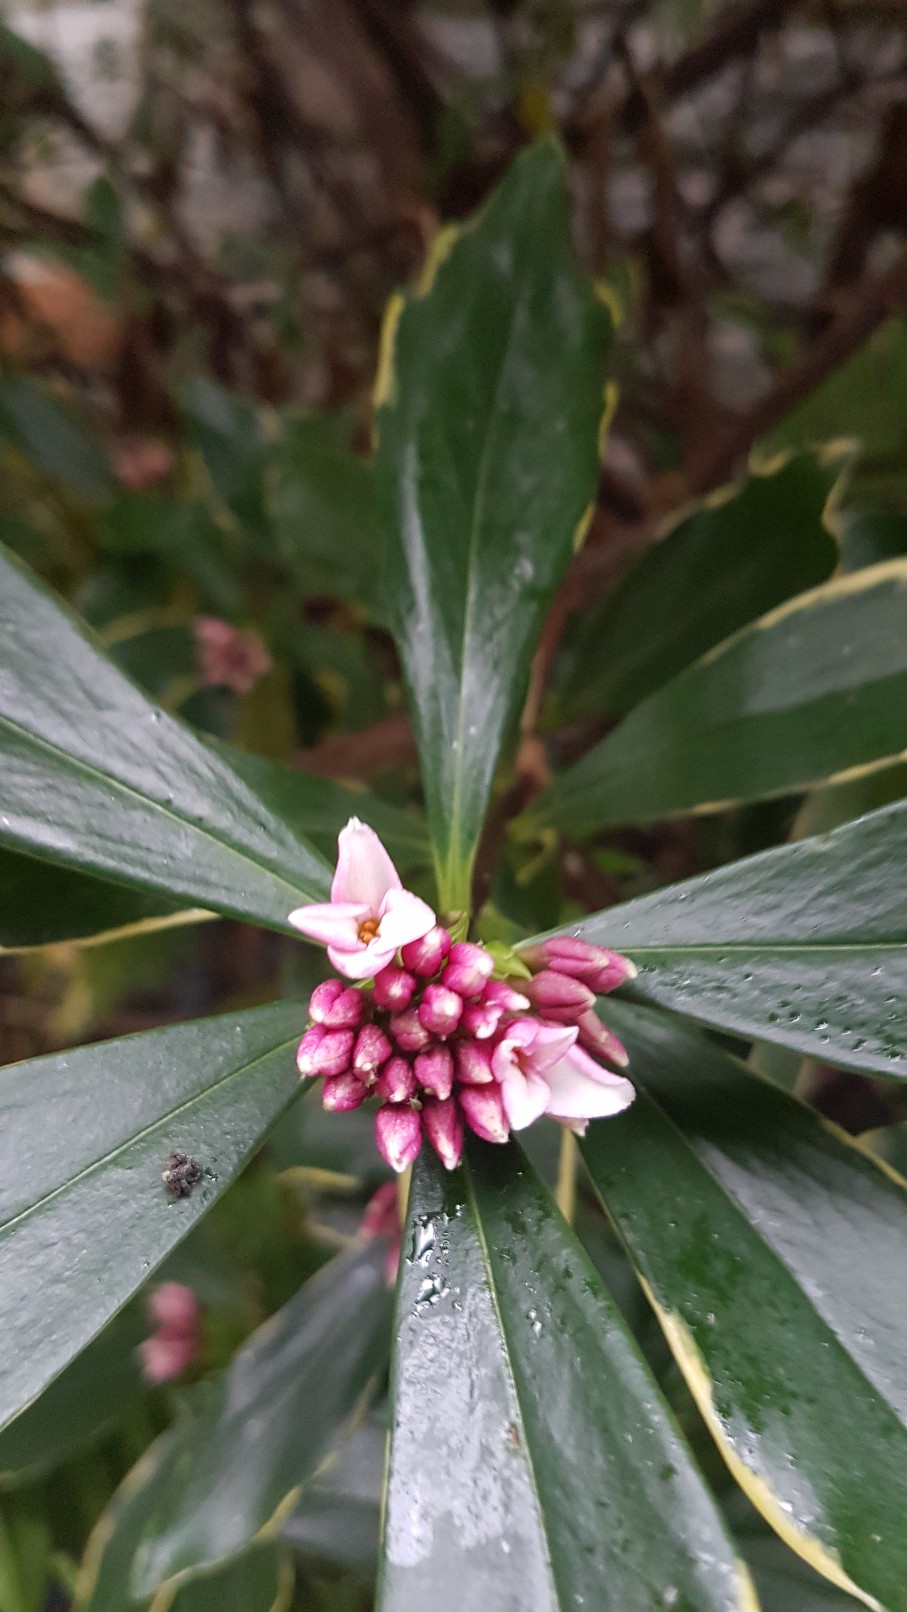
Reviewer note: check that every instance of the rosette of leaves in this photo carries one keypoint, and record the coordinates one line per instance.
(534, 1460)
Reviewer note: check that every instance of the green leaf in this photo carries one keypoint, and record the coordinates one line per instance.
(337, 1518)
(97, 777)
(816, 689)
(772, 1248)
(259, 1581)
(184, 535)
(728, 560)
(42, 903)
(44, 432)
(86, 1209)
(317, 808)
(805, 945)
(249, 1444)
(79, 1404)
(323, 500)
(491, 398)
(534, 1467)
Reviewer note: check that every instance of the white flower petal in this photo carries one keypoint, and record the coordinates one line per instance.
(335, 923)
(403, 918)
(364, 870)
(573, 1094)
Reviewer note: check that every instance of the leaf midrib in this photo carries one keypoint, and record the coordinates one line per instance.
(516, 310)
(505, 1341)
(109, 780)
(139, 1136)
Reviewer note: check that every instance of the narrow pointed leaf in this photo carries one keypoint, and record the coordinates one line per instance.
(97, 777)
(258, 1436)
(815, 689)
(86, 1135)
(805, 945)
(337, 1516)
(727, 561)
(258, 1581)
(491, 398)
(773, 1250)
(42, 903)
(317, 808)
(534, 1467)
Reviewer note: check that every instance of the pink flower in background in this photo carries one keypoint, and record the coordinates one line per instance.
(441, 1044)
(141, 462)
(369, 916)
(230, 658)
(381, 1218)
(176, 1339)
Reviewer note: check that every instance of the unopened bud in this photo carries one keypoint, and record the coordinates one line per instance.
(308, 1046)
(425, 956)
(483, 1112)
(372, 1050)
(598, 1039)
(481, 1019)
(468, 967)
(408, 1032)
(333, 1053)
(440, 1009)
(340, 1093)
(397, 1081)
(558, 996)
(435, 1071)
(473, 1063)
(398, 1133)
(598, 967)
(336, 1006)
(393, 988)
(444, 1129)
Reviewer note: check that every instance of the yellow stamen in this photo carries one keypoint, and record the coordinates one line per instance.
(369, 930)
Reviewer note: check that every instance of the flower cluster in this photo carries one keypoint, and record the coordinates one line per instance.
(430, 1031)
(176, 1339)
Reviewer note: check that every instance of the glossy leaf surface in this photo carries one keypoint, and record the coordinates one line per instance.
(96, 776)
(260, 1433)
(805, 945)
(317, 808)
(337, 1516)
(726, 562)
(87, 1207)
(815, 689)
(491, 398)
(534, 1467)
(775, 1254)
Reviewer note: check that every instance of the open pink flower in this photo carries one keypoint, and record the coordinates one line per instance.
(541, 1070)
(369, 916)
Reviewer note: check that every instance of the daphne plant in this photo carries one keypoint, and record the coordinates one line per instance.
(535, 1455)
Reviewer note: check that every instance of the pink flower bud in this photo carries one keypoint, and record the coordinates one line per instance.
(398, 1133)
(333, 1052)
(308, 1046)
(601, 1041)
(336, 1006)
(444, 1129)
(505, 997)
(483, 1112)
(408, 1032)
(602, 970)
(340, 1093)
(473, 1063)
(372, 1050)
(435, 1071)
(468, 968)
(397, 1081)
(559, 997)
(440, 1009)
(381, 1218)
(166, 1355)
(393, 988)
(425, 956)
(174, 1305)
(481, 1019)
